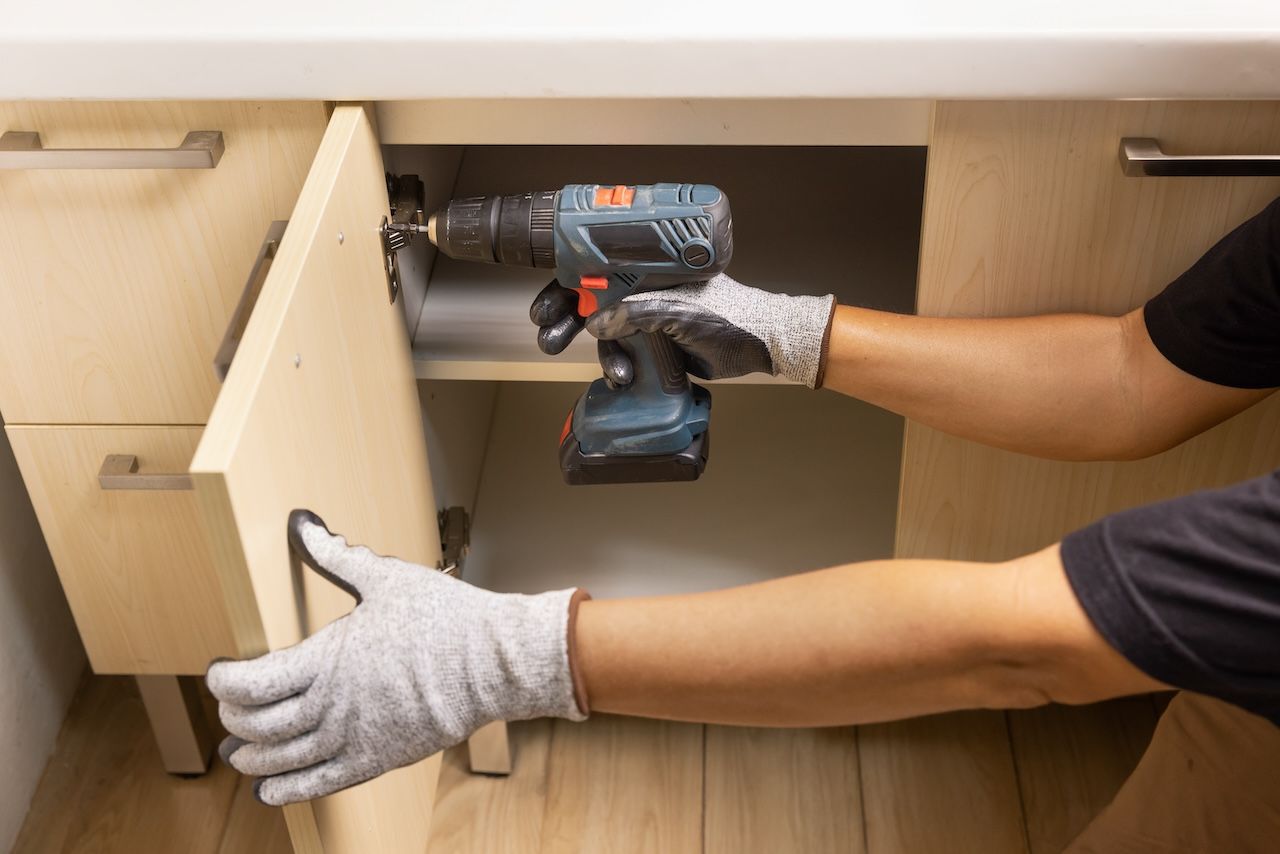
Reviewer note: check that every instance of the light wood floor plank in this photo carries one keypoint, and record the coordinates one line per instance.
(1071, 762)
(104, 789)
(773, 790)
(624, 786)
(253, 828)
(940, 784)
(476, 814)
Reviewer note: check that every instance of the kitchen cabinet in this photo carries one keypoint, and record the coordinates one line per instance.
(375, 414)
(1027, 212)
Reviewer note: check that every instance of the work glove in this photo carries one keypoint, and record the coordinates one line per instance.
(422, 662)
(724, 328)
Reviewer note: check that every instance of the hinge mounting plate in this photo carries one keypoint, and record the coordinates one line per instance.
(455, 538)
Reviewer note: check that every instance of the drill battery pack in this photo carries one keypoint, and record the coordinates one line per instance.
(582, 469)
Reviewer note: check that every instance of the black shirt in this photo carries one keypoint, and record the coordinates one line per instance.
(1188, 590)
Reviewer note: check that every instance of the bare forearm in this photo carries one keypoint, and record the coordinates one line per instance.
(859, 643)
(1064, 386)
(1052, 386)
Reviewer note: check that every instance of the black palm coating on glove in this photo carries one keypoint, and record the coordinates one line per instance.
(555, 312)
(714, 348)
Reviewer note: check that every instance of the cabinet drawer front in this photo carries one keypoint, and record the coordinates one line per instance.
(320, 410)
(116, 285)
(134, 563)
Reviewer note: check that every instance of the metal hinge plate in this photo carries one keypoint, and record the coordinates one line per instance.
(390, 246)
(455, 537)
(405, 194)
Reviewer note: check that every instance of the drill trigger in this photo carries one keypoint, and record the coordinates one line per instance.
(587, 303)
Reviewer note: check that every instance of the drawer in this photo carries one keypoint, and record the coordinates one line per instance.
(135, 563)
(116, 284)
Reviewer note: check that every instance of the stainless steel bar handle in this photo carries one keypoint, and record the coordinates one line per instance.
(120, 471)
(201, 149)
(248, 298)
(1143, 157)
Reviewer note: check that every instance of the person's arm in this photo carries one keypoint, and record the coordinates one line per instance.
(424, 660)
(1064, 386)
(866, 642)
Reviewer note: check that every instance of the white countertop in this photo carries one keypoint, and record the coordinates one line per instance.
(339, 49)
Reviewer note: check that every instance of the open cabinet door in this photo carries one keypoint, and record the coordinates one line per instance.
(320, 410)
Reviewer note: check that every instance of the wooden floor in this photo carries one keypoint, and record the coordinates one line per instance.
(987, 782)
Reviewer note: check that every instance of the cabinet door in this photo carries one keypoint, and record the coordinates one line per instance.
(320, 410)
(1026, 211)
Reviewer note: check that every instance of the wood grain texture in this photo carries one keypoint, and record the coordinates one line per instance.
(623, 786)
(494, 815)
(1026, 211)
(771, 790)
(941, 784)
(320, 410)
(648, 121)
(1071, 762)
(135, 565)
(116, 285)
(105, 789)
(252, 827)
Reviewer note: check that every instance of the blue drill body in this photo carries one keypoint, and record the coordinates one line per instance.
(607, 242)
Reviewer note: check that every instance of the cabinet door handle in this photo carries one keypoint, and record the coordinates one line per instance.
(200, 149)
(1143, 157)
(120, 471)
(248, 298)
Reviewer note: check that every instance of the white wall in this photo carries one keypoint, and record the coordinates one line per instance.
(41, 658)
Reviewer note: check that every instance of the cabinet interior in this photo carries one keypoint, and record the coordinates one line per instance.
(796, 480)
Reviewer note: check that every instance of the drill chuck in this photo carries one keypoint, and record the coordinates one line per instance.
(515, 230)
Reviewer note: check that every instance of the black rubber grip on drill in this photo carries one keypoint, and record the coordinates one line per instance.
(669, 361)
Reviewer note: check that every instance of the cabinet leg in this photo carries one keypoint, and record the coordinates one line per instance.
(178, 722)
(490, 751)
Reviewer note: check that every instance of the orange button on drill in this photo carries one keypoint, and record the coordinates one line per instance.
(618, 196)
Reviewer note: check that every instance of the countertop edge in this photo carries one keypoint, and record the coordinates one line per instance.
(1174, 65)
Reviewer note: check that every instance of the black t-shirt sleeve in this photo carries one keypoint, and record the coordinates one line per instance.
(1220, 320)
(1188, 590)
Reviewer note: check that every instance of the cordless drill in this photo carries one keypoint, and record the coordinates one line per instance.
(607, 242)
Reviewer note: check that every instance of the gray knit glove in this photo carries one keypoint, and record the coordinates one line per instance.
(725, 328)
(423, 661)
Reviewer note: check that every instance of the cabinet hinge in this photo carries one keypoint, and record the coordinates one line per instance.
(405, 194)
(455, 537)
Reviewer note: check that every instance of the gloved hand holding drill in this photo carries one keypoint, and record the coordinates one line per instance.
(725, 329)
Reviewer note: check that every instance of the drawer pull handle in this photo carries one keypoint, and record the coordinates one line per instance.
(248, 298)
(1143, 157)
(201, 149)
(120, 471)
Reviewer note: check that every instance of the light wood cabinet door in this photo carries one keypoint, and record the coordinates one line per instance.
(320, 410)
(116, 284)
(1026, 211)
